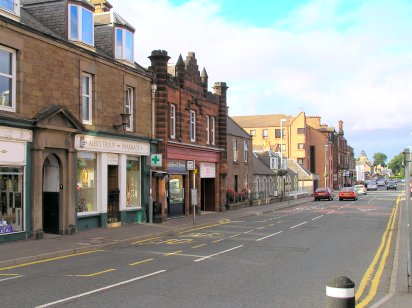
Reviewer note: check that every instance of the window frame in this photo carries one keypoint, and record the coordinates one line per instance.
(301, 146)
(192, 121)
(265, 133)
(80, 34)
(235, 154)
(13, 77)
(15, 8)
(89, 96)
(213, 130)
(207, 129)
(300, 161)
(123, 54)
(172, 121)
(245, 151)
(129, 93)
(252, 132)
(300, 131)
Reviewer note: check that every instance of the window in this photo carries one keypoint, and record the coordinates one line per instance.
(265, 133)
(7, 79)
(253, 132)
(245, 151)
(11, 199)
(300, 130)
(207, 129)
(234, 149)
(172, 121)
(12, 6)
(81, 24)
(86, 182)
(128, 107)
(283, 148)
(133, 182)
(213, 130)
(192, 125)
(87, 98)
(301, 146)
(300, 161)
(124, 45)
(246, 181)
(278, 132)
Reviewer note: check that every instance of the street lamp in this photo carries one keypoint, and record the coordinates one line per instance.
(281, 142)
(326, 164)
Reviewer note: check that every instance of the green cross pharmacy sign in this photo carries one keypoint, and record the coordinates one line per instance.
(156, 160)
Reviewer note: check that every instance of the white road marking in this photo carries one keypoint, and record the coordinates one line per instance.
(218, 253)
(270, 235)
(298, 225)
(366, 210)
(11, 278)
(317, 217)
(100, 289)
(330, 212)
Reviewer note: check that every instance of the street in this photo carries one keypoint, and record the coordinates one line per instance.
(278, 259)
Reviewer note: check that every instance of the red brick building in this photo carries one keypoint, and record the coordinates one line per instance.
(191, 122)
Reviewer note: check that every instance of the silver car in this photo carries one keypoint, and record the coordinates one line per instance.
(372, 186)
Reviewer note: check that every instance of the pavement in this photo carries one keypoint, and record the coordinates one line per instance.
(55, 246)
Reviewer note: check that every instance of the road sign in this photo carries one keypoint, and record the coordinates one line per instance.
(156, 160)
(190, 165)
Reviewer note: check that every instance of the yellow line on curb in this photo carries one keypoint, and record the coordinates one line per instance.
(48, 260)
(204, 227)
(385, 243)
(1, 275)
(93, 274)
(140, 262)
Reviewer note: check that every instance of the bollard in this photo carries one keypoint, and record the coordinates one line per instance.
(340, 293)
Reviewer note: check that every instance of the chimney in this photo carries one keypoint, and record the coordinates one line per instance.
(180, 71)
(340, 125)
(204, 78)
(101, 6)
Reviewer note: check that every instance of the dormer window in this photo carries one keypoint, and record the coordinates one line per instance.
(123, 44)
(10, 6)
(80, 24)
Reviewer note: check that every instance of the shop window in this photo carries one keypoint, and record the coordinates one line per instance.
(124, 45)
(11, 200)
(133, 182)
(86, 182)
(7, 79)
(81, 24)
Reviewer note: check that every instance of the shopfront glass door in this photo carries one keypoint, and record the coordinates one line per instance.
(176, 195)
(113, 213)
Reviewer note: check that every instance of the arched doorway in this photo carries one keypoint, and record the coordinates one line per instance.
(51, 194)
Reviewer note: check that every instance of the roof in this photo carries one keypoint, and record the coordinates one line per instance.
(28, 20)
(302, 173)
(29, 2)
(235, 130)
(260, 168)
(261, 120)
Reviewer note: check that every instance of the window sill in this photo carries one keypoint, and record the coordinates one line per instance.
(86, 214)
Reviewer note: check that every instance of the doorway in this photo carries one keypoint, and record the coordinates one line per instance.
(113, 213)
(207, 199)
(176, 200)
(51, 194)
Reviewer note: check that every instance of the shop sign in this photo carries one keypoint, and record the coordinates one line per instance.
(176, 166)
(12, 152)
(108, 145)
(156, 160)
(345, 173)
(207, 170)
(190, 164)
(16, 134)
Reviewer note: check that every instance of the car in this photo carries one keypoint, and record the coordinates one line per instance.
(391, 185)
(360, 189)
(402, 180)
(348, 193)
(381, 183)
(372, 186)
(323, 193)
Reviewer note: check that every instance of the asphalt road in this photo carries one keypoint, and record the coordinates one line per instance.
(279, 259)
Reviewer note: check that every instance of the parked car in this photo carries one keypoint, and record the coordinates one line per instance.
(323, 193)
(391, 185)
(347, 193)
(372, 186)
(360, 189)
(381, 183)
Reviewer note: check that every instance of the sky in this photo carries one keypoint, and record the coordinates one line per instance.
(348, 60)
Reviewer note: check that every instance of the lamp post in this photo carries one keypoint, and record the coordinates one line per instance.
(326, 164)
(281, 142)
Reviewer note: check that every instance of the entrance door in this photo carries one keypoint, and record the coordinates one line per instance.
(208, 195)
(51, 194)
(113, 213)
(176, 195)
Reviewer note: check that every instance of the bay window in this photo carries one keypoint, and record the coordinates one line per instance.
(81, 27)
(123, 44)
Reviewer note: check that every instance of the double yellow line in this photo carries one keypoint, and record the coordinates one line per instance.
(381, 254)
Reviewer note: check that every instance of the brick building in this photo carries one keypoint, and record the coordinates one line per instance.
(191, 121)
(78, 110)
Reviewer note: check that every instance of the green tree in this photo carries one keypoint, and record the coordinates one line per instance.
(379, 159)
(396, 165)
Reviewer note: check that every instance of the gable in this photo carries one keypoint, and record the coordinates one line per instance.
(58, 118)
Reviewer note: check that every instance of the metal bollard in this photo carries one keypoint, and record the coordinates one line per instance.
(340, 293)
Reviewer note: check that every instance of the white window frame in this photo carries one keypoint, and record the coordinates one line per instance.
(300, 161)
(301, 146)
(79, 24)
(265, 133)
(213, 130)
(172, 121)
(207, 129)
(192, 125)
(16, 7)
(245, 151)
(252, 132)
(89, 97)
(235, 149)
(128, 106)
(13, 81)
(122, 55)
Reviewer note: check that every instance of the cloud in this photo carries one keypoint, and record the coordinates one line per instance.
(349, 60)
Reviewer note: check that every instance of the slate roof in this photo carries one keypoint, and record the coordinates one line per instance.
(108, 18)
(261, 120)
(303, 174)
(29, 2)
(28, 20)
(234, 129)
(260, 168)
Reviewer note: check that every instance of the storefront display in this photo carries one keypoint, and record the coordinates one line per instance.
(86, 182)
(133, 184)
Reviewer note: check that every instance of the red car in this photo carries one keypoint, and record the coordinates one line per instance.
(323, 193)
(348, 193)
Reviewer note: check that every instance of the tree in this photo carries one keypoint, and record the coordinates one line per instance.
(396, 165)
(379, 159)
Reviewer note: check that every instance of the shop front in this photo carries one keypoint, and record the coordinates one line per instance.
(111, 188)
(176, 187)
(14, 183)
